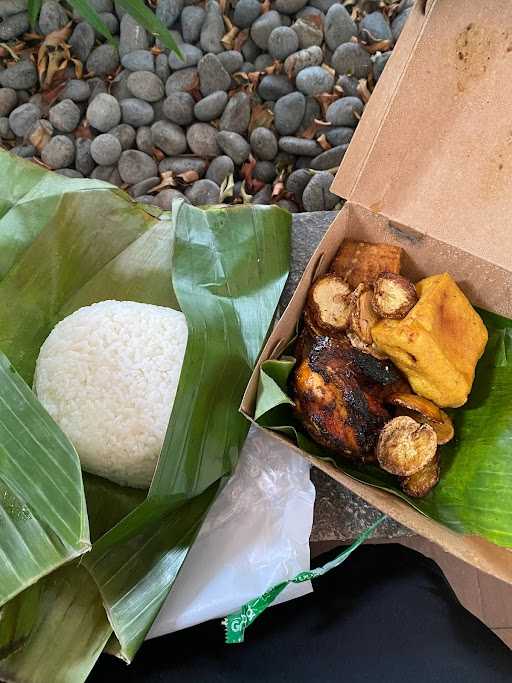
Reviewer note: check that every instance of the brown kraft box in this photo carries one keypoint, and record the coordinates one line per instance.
(430, 169)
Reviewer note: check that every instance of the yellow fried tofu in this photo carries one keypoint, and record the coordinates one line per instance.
(437, 345)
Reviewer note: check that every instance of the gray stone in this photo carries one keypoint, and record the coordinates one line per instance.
(274, 86)
(317, 195)
(24, 151)
(102, 5)
(289, 6)
(23, 96)
(231, 60)
(374, 28)
(379, 63)
(59, 152)
(299, 146)
(138, 60)
(234, 145)
(348, 84)
(132, 36)
(14, 26)
(246, 12)
(311, 56)
(323, 5)
(82, 40)
(263, 27)
(250, 50)
(103, 60)
(282, 42)
(111, 22)
(183, 80)
(146, 199)
(158, 109)
(69, 173)
(104, 112)
(212, 75)
(168, 137)
(265, 171)
(8, 100)
(220, 169)
(10, 7)
(165, 198)
(308, 33)
(339, 136)
(191, 56)
(288, 205)
(143, 140)
(192, 19)
(237, 114)
(179, 108)
(52, 17)
(135, 166)
(263, 61)
(339, 26)
(144, 186)
(289, 112)
(168, 11)
(211, 107)
(97, 86)
(309, 11)
(297, 181)
(5, 130)
(263, 143)
(109, 174)
(341, 112)
(146, 86)
(399, 22)
(202, 140)
(329, 159)
(314, 80)
(119, 86)
(247, 67)
(23, 118)
(213, 29)
(137, 112)
(19, 76)
(263, 196)
(106, 149)
(83, 159)
(352, 59)
(64, 116)
(202, 193)
(183, 164)
(125, 134)
(76, 90)
(311, 112)
(162, 68)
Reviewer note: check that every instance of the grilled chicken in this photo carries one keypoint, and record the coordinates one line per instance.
(339, 394)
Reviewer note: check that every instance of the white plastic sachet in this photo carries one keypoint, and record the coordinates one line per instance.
(255, 535)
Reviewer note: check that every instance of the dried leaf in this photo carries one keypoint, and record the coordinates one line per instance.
(329, 69)
(326, 99)
(83, 130)
(356, 14)
(246, 198)
(265, 6)
(382, 46)
(59, 37)
(158, 154)
(260, 116)
(227, 188)
(156, 50)
(362, 90)
(241, 39)
(79, 68)
(323, 142)
(167, 180)
(40, 134)
(278, 188)
(188, 177)
(49, 96)
(310, 132)
(275, 68)
(228, 40)
(8, 50)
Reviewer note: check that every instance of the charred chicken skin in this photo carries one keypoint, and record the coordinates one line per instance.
(339, 394)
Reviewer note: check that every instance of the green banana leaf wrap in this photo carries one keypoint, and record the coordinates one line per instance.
(473, 494)
(86, 564)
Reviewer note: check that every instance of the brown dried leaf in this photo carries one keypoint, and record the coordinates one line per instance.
(37, 161)
(79, 68)
(49, 96)
(252, 184)
(329, 69)
(228, 40)
(158, 154)
(265, 6)
(324, 144)
(59, 37)
(167, 179)
(241, 39)
(382, 46)
(278, 189)
(83, 130)
(310, 132)
(362, 90)
(188, 176)
(8, 50)
(40, 134)
(326, 99)
(260, 116)
(275, 68)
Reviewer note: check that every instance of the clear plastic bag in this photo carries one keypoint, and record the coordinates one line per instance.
(255, 535)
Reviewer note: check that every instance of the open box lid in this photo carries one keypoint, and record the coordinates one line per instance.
(433, 151)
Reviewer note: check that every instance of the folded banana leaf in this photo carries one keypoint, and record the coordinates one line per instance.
(65, 244)
(473, 494)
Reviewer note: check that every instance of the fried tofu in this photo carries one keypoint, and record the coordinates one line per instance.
(362, 262)
(438, 344)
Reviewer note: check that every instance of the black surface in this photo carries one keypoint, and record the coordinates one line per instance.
(387, 615)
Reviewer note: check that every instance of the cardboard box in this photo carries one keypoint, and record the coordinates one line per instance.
(430, 169)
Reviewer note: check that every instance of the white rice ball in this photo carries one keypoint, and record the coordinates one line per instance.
(108, 376)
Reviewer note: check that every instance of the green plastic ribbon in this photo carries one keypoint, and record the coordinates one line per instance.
(236, 623)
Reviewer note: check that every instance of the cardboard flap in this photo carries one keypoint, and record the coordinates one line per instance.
(433, 151)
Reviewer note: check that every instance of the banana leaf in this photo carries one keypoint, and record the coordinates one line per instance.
(65, 244)
(473, 494)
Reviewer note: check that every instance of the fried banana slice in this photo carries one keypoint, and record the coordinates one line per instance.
(393, 296)
(405, 446)
(362, 315)
(328, 306)
(362, 262)
(424, 411)
(422, 482)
